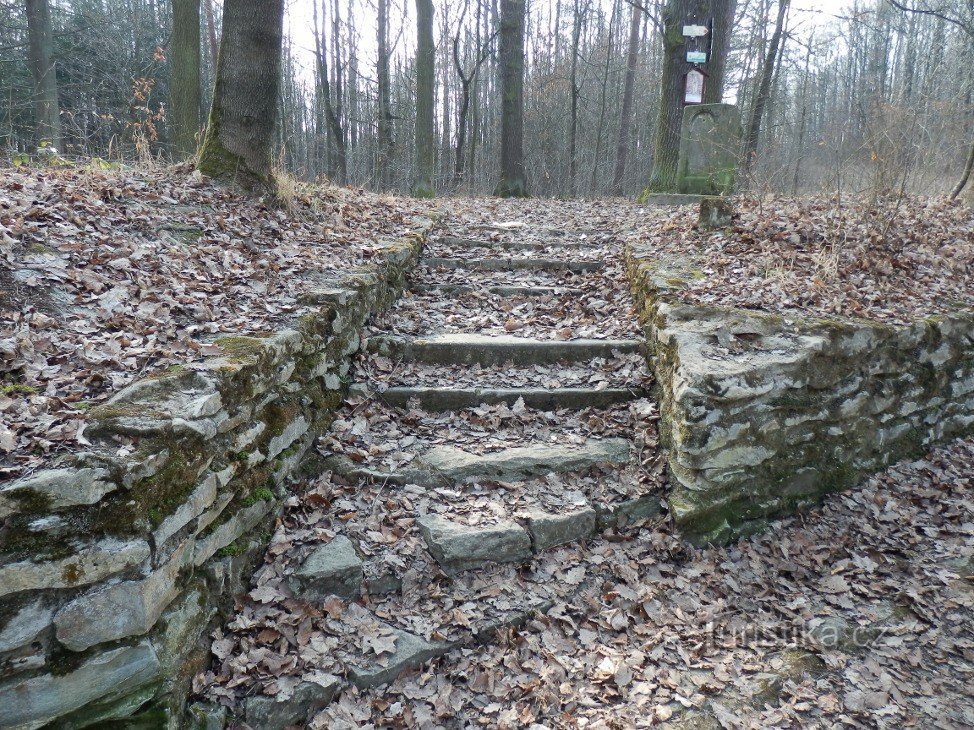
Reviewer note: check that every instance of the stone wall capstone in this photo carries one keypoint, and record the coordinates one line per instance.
(115, 561)
(765, 414)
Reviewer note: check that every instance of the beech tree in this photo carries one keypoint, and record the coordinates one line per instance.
(240, 130)
(47, 115)
(184, 94)
(513, 179)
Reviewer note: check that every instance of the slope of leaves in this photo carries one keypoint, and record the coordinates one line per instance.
(105, 276)
(893, 260)
(727, 637)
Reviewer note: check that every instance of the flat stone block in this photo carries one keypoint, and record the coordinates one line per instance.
(332, 569)
(451, 399)
(88, 565)
(56, 489)
(279, 712)
(459, 547)
(32, 703)
(515, 264)
(550, 530)
(459, 349)
(411, 651)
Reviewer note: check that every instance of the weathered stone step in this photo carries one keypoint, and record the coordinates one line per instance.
(461, 349)
(457, 241)
(512, 264)
(438, 399)
(446, 465)
(500, 290)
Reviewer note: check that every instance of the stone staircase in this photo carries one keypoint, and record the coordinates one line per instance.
(471, 470)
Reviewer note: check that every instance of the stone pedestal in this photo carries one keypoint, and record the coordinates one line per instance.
(710, 141)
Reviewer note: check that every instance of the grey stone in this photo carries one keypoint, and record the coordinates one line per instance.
(524, 461)
(202, 497)
(182, 624)
(455, 349)
(715, 212)
(31, 703)
(504, 291)
(291, 433)
(447, 464)
(206, 716)
(58, 488)
(129, 608)
(332, 569)
(673, 199)
(224, 534)
(459, 547)
(451, 399)
(515, 264)
(710, 137)
(25, 626)
(277, 713)
(411, 651)
(89, 564)
(550, 530)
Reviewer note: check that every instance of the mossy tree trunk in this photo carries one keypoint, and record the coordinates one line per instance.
(675, 15)
(184, 95)
(513, 179)
(40, 44)
(240, 131)
(384, 141)
(425, 57)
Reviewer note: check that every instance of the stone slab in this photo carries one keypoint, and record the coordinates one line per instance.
(499, 290)
(445, 465)
(551, 530)
(459, 547)
(332, 569)
(673, 199)
(87, 565)
(457, 241)
(515, 264)
(411, 651)
(31, 703)
(436, 399)
(57, 489)
(296, 708)
(463, 349)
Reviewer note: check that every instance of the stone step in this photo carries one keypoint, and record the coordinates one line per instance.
(459, 242)
(514, 264)
(446, 465)
(463, 349)
(437, 399)
(500, 290)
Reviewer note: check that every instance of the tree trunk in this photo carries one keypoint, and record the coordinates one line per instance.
(764, 91)
(625, 116)
(184, 92)
(425, 75)
(40, 46)
(965, 184)
(675, 15)
(337, 163)
(384, 125)
(240, 132)
(573, 100)
(513, 179)
(211, 30)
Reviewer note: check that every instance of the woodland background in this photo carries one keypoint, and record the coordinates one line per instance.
(874, 99)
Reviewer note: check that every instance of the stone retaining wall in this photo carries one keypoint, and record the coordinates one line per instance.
(765, 414)
(114, 563)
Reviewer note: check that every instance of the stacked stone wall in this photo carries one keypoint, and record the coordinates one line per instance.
(114, 562)
(763, 414)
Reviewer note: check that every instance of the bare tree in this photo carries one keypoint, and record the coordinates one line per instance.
(513, 179)
(384, 137)
(184, 95)
(47, 116)
(425, 73)
(764, 90)
(240, 132)
(625, 116)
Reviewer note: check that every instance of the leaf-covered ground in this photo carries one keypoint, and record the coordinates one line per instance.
(858, 614)
(893, 259)
(108, 275)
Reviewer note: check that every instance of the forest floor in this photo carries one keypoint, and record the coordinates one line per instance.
(857, 613)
